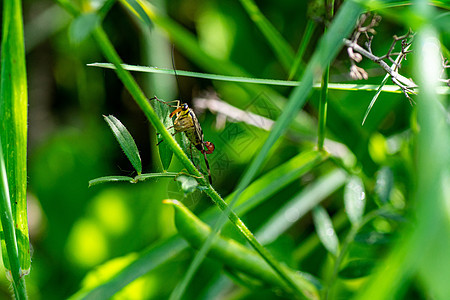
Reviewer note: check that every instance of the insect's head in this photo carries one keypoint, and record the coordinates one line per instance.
(184, 107)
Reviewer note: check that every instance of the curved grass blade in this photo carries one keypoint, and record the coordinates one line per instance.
(331, 86)
(325, 230)
(126, 142)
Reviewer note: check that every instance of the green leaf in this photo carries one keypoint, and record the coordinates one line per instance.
(107, 179)
(325, 230)
(165, 152)
(384, 184)
(357, 268)
(82, 26)
(138, 9)
(126, 142)
(13, 141)
(331, 86)
(354, 199)
(188, 184)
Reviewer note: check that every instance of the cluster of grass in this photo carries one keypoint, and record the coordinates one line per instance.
(318, 207)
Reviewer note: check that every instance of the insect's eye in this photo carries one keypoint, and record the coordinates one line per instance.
(184, 106)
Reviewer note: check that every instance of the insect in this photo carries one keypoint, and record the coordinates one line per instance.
(187, 122)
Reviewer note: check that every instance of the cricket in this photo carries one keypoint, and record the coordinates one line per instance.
(187, 122)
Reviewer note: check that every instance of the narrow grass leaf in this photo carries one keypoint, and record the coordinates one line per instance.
(126, 142)
(82, 27)
(325, 230)
(294, 72)
(110, 179)
(13, 137)
(357, 268)
(279, 45)
(331, 86)
(354, 199)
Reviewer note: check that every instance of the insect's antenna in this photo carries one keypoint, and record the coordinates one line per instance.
(175, 69)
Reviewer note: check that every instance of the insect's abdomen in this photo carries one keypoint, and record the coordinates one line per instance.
(194, 138)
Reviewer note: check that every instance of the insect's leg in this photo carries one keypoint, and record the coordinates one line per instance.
(207, 166)
(167, 102)
(190, 149)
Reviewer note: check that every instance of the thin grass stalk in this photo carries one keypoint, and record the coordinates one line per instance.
(323, 109)
(18, 281)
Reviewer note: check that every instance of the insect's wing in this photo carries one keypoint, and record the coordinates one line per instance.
(198, 128)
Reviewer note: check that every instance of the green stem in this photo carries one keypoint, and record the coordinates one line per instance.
(6, 217)
(323, 109)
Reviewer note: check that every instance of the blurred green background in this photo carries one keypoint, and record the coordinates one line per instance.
(74, 229)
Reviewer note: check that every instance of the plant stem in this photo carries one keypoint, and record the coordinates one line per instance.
(18, 281)
(323, 109)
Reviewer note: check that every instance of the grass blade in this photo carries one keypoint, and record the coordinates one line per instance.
(13, 131)
(126, 142)
(294, 73)
(331, 86)
(279, 45)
